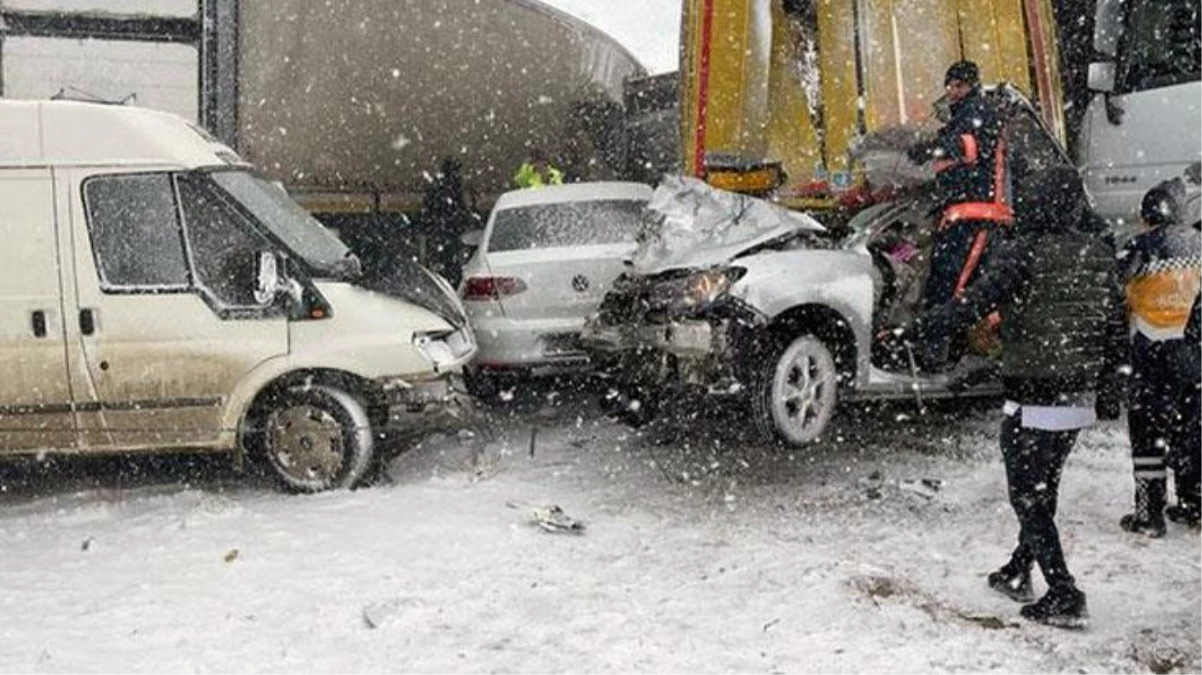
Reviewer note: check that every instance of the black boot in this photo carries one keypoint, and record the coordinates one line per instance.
(1184, 513)
(1012, 582)
(1148, 518)
(1063, 607)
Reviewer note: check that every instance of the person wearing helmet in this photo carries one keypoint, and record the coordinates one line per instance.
(1161, 270)
(969, 161)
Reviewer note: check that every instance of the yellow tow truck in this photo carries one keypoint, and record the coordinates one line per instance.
(775, 92)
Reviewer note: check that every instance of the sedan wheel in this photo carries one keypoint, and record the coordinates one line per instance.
(797, 396)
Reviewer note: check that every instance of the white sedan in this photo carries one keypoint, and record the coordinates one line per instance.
(544, 261)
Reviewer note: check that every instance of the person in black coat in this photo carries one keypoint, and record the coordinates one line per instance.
(446, 216)
(1055, 287)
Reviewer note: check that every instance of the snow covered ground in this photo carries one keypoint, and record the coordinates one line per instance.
(650, 29)
(701, 554)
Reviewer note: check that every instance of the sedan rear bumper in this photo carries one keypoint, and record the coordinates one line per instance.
(530, 344)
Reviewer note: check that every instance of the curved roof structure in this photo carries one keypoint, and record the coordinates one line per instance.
(372, 94)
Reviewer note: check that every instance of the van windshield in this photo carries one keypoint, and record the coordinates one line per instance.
(271, 206)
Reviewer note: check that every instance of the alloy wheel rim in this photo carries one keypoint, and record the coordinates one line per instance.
(803, 390)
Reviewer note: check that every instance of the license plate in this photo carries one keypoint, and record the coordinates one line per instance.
(563, 343)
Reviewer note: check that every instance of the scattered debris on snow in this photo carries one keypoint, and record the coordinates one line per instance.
(550, 517)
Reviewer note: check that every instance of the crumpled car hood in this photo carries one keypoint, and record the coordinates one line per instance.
(695, 225)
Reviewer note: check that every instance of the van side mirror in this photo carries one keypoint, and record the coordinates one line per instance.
(1102, 76)
(269, 283)
(472, 238)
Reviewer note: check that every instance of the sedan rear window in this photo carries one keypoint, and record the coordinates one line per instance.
(566, 224)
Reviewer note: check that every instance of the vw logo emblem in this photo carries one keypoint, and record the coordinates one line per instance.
(580, 283)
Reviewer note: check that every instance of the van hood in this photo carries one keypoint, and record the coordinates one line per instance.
(691, 224)
(411, 282)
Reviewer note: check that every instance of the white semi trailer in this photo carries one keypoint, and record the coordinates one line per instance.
(347, 102)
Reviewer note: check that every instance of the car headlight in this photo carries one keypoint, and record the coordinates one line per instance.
(702, 289)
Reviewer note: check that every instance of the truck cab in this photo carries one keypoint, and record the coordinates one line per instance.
(1144, 122)
(160, 295)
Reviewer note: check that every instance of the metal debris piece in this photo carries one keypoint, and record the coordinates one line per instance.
(550, 517)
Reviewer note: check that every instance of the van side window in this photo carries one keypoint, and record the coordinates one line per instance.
(136, 232)
(224, 248)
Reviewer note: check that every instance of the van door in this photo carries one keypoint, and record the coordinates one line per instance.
(165, 318)
(35, 397)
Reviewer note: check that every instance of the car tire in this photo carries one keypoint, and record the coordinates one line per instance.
(314, 439)
(796, 391)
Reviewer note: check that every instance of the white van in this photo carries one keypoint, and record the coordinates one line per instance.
(158, 295)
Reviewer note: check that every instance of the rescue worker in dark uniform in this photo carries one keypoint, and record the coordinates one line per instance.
(1161, 270)
(970, 169)
(1056, 288)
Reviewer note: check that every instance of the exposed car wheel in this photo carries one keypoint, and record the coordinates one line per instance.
(315, 438)
(796, 392)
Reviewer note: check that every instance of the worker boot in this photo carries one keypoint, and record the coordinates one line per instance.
(1148, 518)
(1012, 581)
(1063, 607)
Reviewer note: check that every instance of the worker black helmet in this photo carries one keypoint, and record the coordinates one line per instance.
(965, 71)
(1160, 207)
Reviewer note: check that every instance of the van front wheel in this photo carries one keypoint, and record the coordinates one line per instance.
(316, 438)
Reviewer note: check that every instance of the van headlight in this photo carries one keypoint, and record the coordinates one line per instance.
(702, 289)
(434, 346)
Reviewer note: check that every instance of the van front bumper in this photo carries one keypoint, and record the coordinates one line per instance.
(417, 395)
(419, 409)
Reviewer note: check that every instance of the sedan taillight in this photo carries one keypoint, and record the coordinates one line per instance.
(492, 288)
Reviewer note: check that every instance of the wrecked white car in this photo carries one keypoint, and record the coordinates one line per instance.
(733, 296)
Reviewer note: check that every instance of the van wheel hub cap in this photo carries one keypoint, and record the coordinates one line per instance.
(306, 442)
